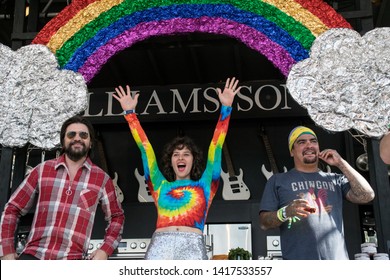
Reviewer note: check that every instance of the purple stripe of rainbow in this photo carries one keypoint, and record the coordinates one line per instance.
(279, 56)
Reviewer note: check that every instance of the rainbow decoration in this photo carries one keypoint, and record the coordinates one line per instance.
(87, 33)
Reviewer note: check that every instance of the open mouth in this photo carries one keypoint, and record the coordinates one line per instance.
(181, 167)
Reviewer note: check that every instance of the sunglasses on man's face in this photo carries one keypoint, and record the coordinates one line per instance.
(72, 134)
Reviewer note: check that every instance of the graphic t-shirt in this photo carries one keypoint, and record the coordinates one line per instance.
(320, 236)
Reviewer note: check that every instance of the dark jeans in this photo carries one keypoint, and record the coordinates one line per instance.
(27, 257)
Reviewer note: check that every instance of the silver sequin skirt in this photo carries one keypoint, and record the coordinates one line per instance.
(176, 245)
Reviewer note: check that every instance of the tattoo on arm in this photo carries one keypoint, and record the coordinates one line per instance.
(269, 220)
(361, 191)
(359, 195)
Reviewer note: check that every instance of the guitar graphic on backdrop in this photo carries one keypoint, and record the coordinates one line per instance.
(144, 194)
(270, 155)
(103, 162)
(234, 187)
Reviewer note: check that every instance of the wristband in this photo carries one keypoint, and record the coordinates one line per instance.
(292, 220)
(126, 112)
(284, 215)
(281, 214)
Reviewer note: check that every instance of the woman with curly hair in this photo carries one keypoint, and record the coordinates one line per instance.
(180, 143)
(182, 191)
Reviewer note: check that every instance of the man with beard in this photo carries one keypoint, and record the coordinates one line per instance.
(306, 203)
(67, 191)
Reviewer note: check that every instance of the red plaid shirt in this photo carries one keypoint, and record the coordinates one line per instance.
(64, 213)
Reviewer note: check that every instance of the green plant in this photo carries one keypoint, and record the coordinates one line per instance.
(239, 254)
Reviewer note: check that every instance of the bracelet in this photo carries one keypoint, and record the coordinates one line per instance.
(281, 214)
(284, 215)
(126, 112)
(292, 220)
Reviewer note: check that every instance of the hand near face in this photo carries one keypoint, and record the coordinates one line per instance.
(330, 156)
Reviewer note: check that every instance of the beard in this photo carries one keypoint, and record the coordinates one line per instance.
(76, 154)
(310, 161)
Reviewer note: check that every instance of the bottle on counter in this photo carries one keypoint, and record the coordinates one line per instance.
(368, 248)
(369, 228)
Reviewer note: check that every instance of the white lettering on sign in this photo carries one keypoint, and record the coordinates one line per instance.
(261, 97)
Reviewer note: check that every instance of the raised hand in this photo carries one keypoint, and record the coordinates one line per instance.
(330, 156)
(227, 96)
(125, 99)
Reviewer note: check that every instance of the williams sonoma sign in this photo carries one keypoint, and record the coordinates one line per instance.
(261, 99)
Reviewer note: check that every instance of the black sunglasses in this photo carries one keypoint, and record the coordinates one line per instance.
(72, 134)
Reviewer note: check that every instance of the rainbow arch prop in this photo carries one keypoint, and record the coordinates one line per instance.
(87, 33)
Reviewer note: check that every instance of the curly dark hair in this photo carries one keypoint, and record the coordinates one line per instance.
(180, 143)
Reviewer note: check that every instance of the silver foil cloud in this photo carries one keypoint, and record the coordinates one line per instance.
(345, 83)
(36, 97)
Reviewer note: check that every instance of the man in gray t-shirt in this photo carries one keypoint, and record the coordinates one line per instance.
(306, 203)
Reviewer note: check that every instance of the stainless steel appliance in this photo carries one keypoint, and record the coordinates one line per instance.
(127, 249)
(274, 250)
(220, 238)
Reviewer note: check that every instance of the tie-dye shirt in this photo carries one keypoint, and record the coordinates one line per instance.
(182, 202)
